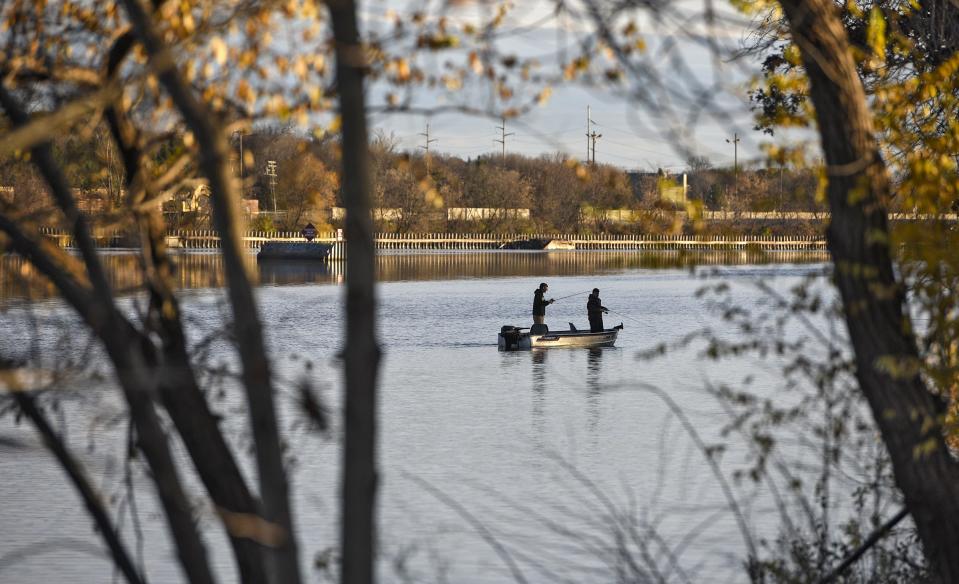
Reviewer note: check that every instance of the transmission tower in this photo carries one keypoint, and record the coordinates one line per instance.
(502, 141)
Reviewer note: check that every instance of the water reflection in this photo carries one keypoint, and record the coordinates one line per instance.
(594, 365)
(18, 279)
(538, 357)
(284, 272)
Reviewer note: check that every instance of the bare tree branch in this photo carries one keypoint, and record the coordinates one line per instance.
(44, 128)
(214, 157)
(179, 390)
(60, 189)
(78, 477)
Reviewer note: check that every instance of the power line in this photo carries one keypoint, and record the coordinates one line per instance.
(631, 134)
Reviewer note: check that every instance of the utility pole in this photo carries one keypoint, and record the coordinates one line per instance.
(241, 165)
(735, 142)
(591, 137)
(502, 140)
(271, 172)
(594, 136)
(781, 166)
(589, 127)
(427, 145)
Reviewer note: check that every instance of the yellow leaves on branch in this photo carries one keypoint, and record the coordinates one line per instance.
(753, 7)
(476, 64)
(219, 50)
(501, 12)
(451, 82)
(876, 34)
(792, 55)
(542, 98)
(399, 69)
(575, 67)
(919, 119)
(245, 92)
(335, 124)
(437, 42)
(305, 9)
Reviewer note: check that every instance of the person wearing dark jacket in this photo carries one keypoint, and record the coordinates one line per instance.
(595, 310)
(540, 304)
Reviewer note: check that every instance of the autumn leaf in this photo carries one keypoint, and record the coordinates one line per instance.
(218, 46)
(876, 33)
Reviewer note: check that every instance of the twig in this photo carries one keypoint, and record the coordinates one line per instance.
(872, 540)
(78, 477)
(481, 528)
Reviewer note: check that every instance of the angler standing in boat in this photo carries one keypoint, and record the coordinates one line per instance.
(540, 304)
(595, 310)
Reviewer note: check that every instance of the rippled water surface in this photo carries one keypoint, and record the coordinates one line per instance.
(543, 452)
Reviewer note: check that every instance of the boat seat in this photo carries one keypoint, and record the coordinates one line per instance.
(538, 329)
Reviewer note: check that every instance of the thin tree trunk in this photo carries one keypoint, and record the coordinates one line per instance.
(214, 157)
(362, 352)
(79, 479)
(909, 417)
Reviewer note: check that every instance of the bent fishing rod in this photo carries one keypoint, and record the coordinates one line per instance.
(627, 317)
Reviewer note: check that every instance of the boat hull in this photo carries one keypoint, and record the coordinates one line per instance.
(516, 340)
(606, 338)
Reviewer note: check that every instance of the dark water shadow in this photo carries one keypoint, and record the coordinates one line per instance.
(287, 272)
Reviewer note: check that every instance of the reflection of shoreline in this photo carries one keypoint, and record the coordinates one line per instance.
(286, 272)
(19, 280)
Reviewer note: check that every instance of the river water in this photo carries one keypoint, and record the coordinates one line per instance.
(543, 456)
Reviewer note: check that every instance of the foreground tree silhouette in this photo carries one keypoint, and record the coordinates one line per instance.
(362, 353)
(908, 415)
(150, 358)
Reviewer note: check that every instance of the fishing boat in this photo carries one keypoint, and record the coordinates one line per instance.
(512, 338)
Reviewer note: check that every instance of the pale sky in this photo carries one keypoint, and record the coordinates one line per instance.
(632, 136)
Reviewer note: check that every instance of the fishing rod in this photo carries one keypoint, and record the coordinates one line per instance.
(571, 295)
(627, 317)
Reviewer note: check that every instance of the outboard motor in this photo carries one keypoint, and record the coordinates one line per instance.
(509, 337)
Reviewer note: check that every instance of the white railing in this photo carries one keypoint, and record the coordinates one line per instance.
(210, 240)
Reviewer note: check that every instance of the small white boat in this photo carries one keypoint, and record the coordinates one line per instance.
(513, 338)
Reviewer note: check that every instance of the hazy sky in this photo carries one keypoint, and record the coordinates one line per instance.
(633, 136)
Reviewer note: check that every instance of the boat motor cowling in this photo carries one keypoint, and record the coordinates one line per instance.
(511, 335)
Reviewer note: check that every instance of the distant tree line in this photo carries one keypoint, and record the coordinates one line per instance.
(562, 194)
